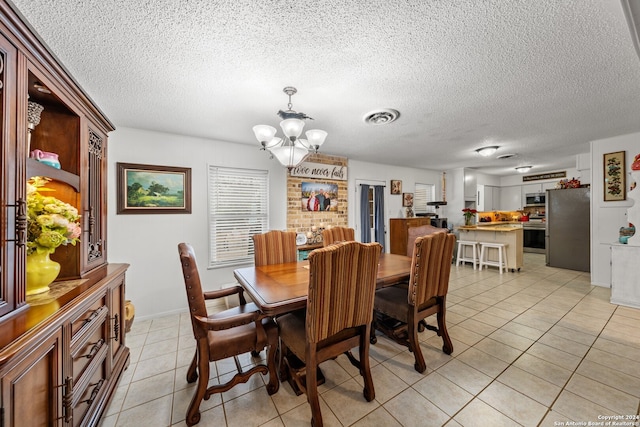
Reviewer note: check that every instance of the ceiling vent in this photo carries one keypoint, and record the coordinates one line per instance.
(381, 117)
(507, 156)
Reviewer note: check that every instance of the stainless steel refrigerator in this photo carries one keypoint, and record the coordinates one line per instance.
(567, 233)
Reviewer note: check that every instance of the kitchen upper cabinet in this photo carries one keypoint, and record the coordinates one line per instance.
(488, 198)
(511, 198)
(470, 186)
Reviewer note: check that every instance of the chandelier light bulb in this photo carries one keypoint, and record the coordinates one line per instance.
(292, 128)
(316, 138)
(264, 133)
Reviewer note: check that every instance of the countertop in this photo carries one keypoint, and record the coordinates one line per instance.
(496, 226)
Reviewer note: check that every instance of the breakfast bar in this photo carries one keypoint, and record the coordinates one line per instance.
(509, 234)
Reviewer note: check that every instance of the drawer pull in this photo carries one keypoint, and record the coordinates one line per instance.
(67, 398)
(94, 349)
(94, 393)
(116, 327)
(92, 317)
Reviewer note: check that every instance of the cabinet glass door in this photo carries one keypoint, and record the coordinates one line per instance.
(12, 213)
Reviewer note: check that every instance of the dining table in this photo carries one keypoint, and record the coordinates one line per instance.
(282, 288)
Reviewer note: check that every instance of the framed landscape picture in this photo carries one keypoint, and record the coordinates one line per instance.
(614, 177)
(150, 189)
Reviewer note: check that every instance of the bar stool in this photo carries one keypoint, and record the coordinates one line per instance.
(462, 244)
(502, 255)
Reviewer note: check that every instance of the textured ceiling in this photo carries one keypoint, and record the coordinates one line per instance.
(538, 78)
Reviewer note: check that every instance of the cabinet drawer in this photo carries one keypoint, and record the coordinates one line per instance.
(85, 319)
(90, 392)
(86, 350)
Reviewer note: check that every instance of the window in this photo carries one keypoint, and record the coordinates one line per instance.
(238, 209)
(424, 193)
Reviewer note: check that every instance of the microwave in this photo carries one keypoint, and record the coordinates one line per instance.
(535, 199)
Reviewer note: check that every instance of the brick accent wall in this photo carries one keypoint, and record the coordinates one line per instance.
(300, 220)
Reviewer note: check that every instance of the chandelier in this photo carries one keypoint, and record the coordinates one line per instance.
(290, 150)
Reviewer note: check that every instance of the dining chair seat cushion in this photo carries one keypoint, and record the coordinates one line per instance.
(292, 331)
(392, 301)
(239, 339)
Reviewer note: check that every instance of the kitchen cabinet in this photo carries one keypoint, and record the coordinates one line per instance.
(625, 281)
(470, 186)
(511, 198)
(488, 198)
(62, 352)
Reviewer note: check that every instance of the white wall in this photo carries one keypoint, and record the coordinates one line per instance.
(149, 243)
(608, 217)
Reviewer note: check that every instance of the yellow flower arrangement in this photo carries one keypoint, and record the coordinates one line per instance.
(51, 222)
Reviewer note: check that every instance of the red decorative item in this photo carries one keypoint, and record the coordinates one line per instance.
(636, 163)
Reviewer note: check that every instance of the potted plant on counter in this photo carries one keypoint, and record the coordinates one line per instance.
(468, 215)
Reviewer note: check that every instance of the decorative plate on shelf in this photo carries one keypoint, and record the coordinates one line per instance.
(301, 239)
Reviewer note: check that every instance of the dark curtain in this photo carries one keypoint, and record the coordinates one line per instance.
(365, 227)
(378, 194)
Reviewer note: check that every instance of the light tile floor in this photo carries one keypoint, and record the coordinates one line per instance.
(536, 347)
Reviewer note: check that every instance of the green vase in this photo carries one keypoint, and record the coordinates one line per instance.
(41, 271)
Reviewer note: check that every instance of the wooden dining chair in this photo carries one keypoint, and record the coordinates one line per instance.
(229, 333)
(423, 230)
(342, 283)
(399, 310)
(275, 247)
(337, 234)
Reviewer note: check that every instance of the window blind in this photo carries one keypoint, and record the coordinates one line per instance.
(238, 209)
(424, 193)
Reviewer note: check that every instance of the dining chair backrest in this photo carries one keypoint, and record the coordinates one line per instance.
(342, 284)
(430, 267)
(193, 285)
(274, 247)
(423, 230)
(337, 234)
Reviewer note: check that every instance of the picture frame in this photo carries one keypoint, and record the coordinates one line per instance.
(396, 186)
(153, 189)
(407, 200)
(319, 196)
(615, 188)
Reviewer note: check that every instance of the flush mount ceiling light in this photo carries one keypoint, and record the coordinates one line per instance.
(381, 117)
(487, 151)
(523, 169)
(290, 150)
(507, 156)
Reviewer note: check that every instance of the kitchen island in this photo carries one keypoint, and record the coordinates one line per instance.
(509, 234)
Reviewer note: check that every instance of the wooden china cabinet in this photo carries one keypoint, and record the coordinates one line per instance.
(61, 352)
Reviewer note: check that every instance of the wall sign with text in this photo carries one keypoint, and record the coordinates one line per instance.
(320, 171)
(541, 176)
